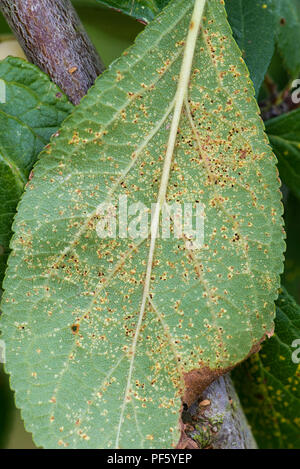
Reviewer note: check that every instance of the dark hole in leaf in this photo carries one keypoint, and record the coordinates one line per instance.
(75, 328)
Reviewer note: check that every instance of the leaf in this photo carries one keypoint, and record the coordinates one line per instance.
(144, 10)
(33, 111)
(4, 28)
(277, 79)
(291, 278)
(246, 18)
(110, 32)
(99, 337)
(268, 383)
(284, 135)
(287, 14)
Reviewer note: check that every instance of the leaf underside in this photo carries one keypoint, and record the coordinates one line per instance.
(246, 18)
(206, 308)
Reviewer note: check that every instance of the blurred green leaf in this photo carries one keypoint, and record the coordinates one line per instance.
(277, 71)
(277, 80)
(247, 18)
(144, 10)
(287, 16)
(284, 135)
(110, 31)
(4, 28)
(291, 277)
(85, 3)
(269, 383)
(33, 110)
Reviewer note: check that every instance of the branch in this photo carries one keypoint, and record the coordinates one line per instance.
(221, 422)
(217, 420)
(53, 38)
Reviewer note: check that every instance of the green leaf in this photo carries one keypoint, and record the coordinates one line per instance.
(268, 383)
(101, 333)
(277, 78)
(291, 278)
(110, 32)
(253, 26)
(85, 3)
(284, 135)
(144, 10)
(246, 17)
(33, 110)
(4, 28)
(287, 14)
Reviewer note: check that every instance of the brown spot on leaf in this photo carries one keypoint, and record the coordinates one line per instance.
(75, 328)
(196, 381)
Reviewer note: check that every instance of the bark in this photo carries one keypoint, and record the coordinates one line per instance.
(218, 420)
(53, 38)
